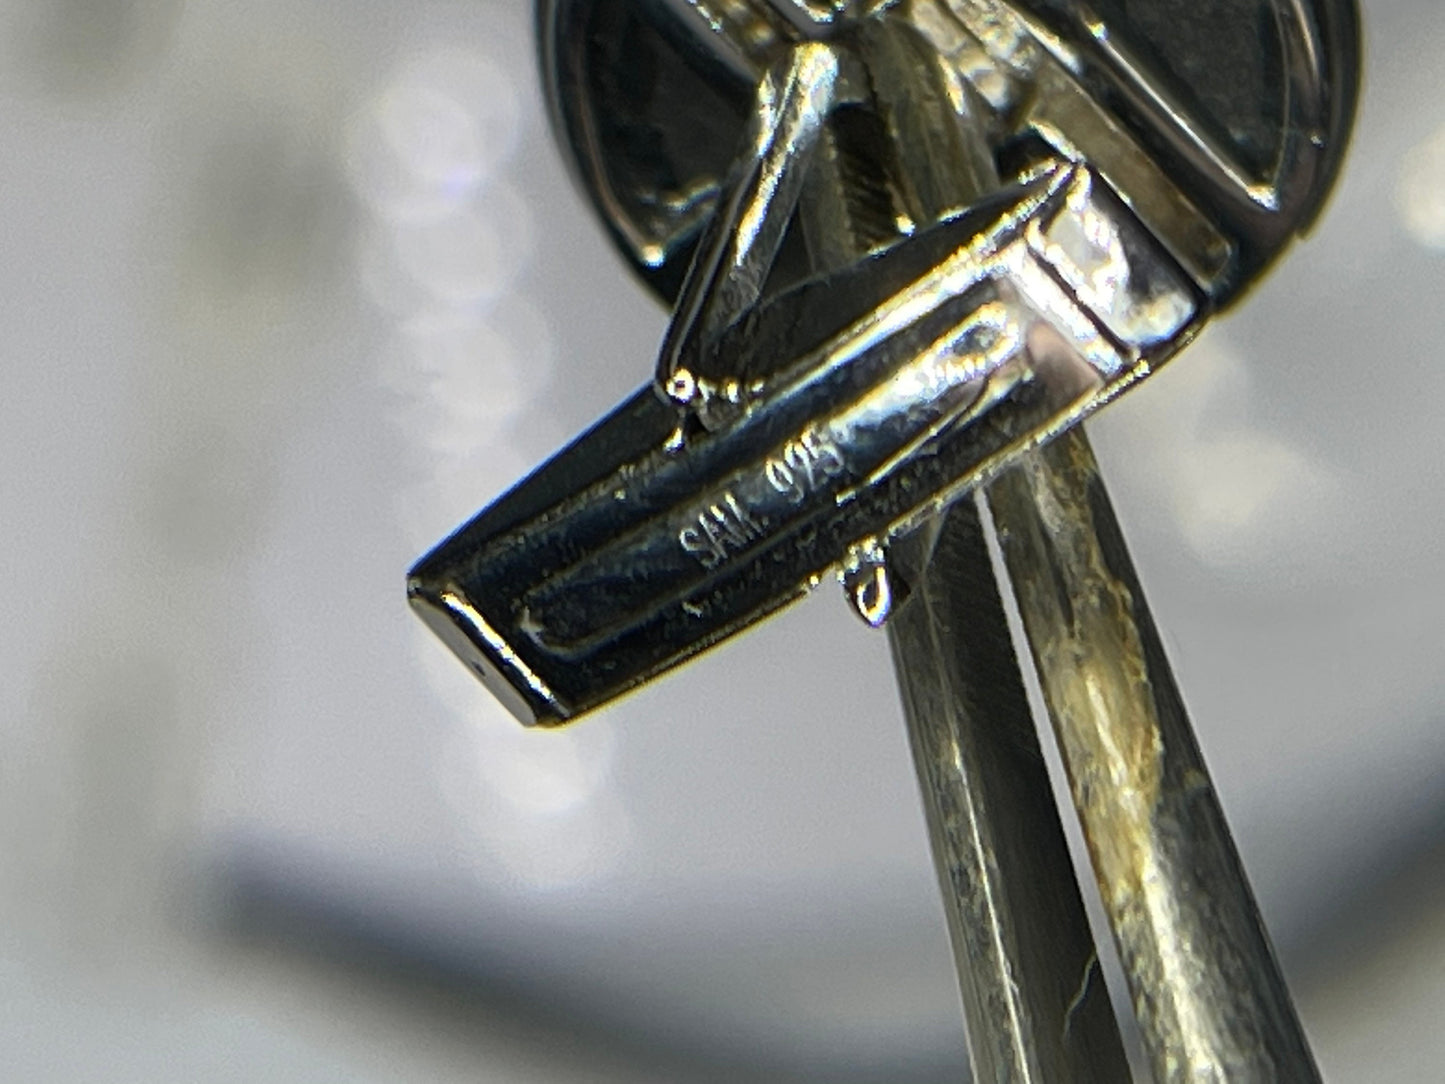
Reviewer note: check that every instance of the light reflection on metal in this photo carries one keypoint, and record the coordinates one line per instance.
(869, 586)
(1207, 991)
(953, 230)
(738, 539)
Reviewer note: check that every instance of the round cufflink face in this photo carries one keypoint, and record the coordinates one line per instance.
(1222, 125)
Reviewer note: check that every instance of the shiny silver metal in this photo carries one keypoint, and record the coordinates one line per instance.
(1035, 1005)
(1244, 105)
(791, 436)
(1207, 991)
(910, 243)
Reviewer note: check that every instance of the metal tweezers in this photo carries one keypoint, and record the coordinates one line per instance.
(953, 229)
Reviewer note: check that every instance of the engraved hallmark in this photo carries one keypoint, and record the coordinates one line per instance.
(903, 248)
(721, 527)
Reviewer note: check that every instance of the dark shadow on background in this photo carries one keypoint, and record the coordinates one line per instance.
(262, 912)
(89, 49)
(1389, 898)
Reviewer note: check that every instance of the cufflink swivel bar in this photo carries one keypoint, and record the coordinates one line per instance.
(909, 246)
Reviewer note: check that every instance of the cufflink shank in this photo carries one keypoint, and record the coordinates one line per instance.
(643, 544)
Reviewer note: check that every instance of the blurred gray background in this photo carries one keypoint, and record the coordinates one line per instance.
(289, 290)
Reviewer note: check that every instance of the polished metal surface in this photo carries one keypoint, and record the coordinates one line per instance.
(1211, 1001)
(800, 434)
(950, 233)
(564, 598)
(291, 290)
(1035, 1006)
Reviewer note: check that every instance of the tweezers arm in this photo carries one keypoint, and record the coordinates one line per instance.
(1035, 1006)
(1208, 992)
